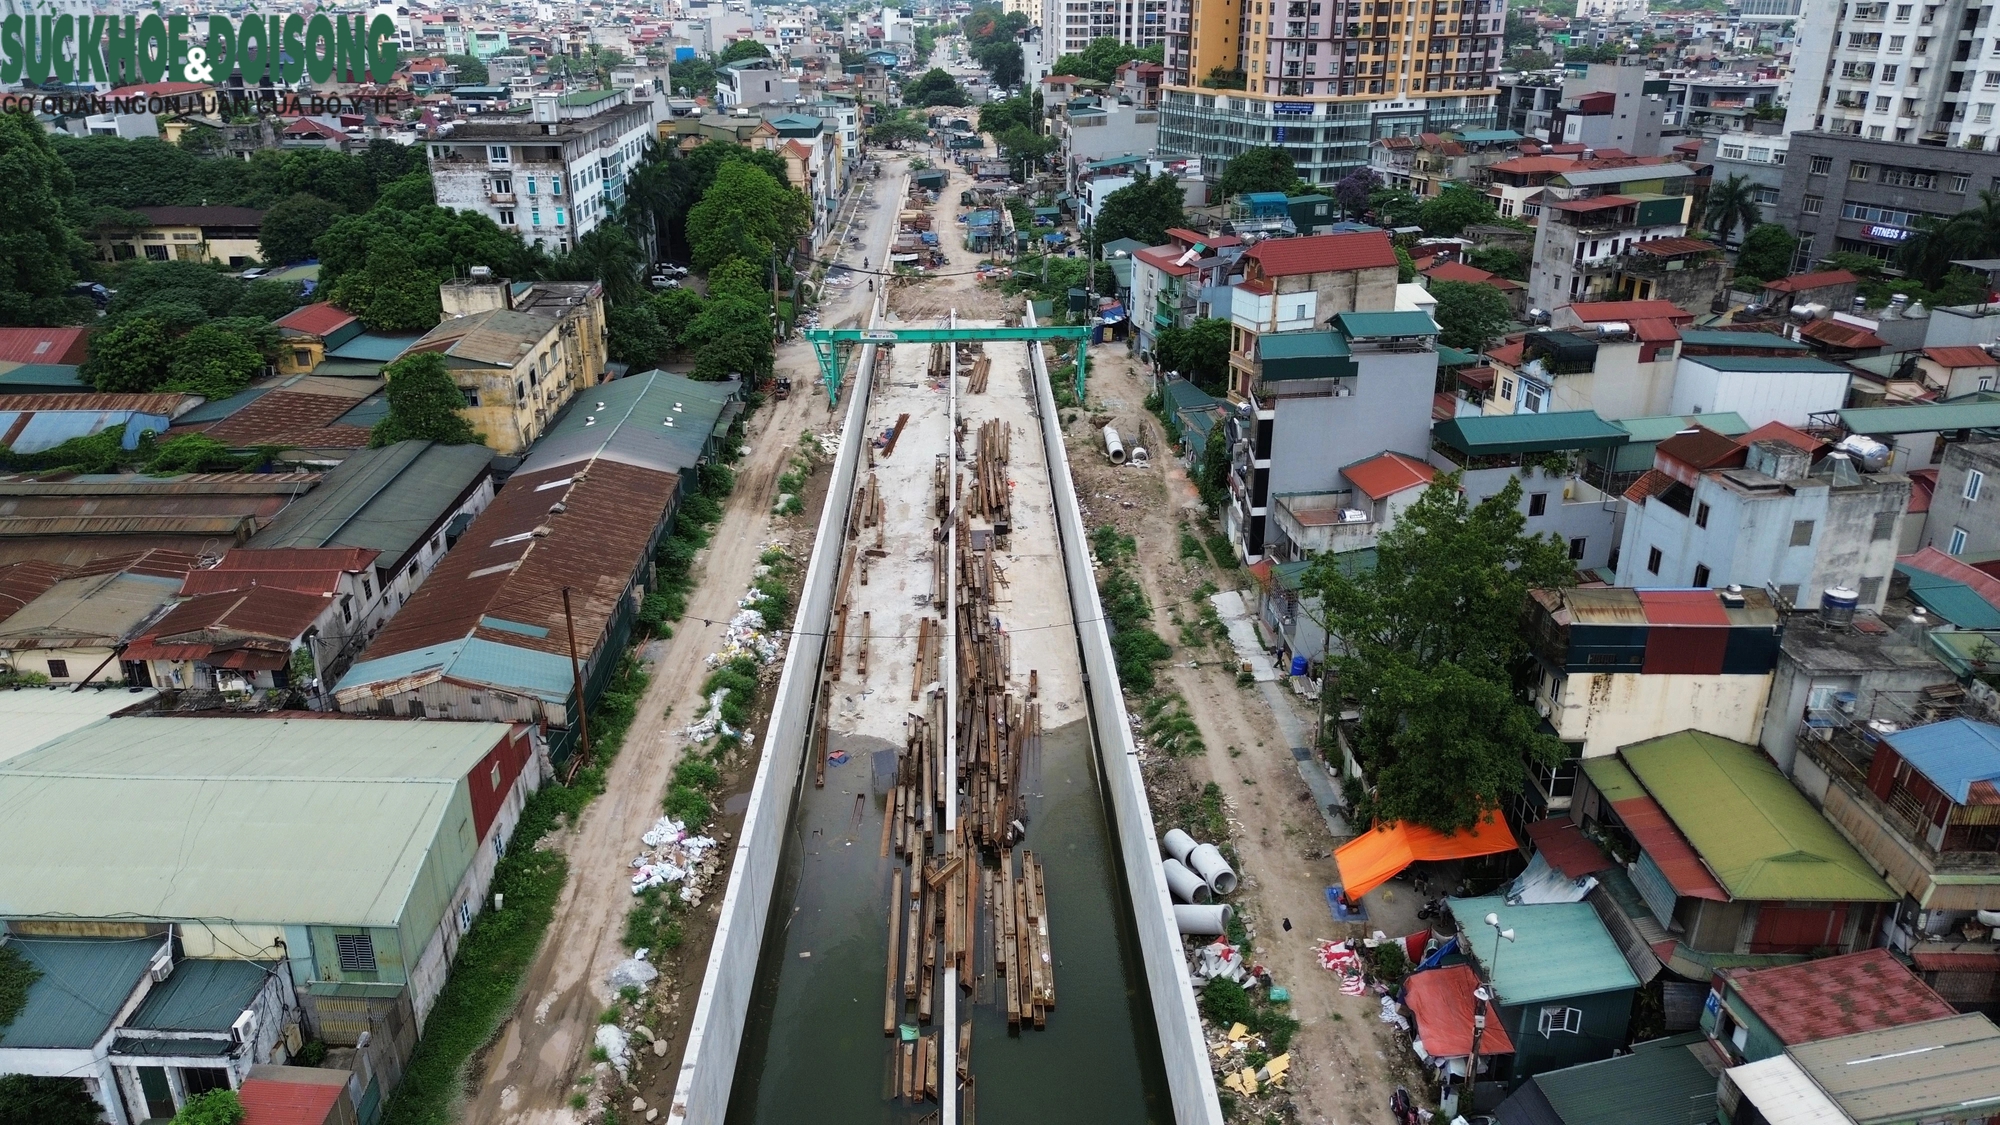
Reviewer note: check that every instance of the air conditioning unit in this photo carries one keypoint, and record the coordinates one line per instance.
(162, 965)
(244, 1031)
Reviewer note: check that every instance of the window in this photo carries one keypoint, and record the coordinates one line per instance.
(1701, 515)
(1992, 80)
(1875, 132)
(1885, 526)
(1973, 481)
(1811, 204)
(1956, 546)
(1700, 574)
(1871, 588)
(1556, 1018)
(1538, 503)
(497, 154)
(1802, 533)
(1882, 103)
(1910, 177)
(1732, 152)
(1558, 780)
(1506, 388)
(302, 357)
(471, 396)
(1889, 74)
(156, 253)
(506, 216)
(1959, 184)
(1576, 549)
(1903, 13)
(356, 952)
(1653, 561)
(1860, 172)
(555, 185)
(494, 779)
(1895, 43)
(1820, 165)
(559, 217)
(59, 669)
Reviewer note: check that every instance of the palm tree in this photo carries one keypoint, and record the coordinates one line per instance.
(1732, 203)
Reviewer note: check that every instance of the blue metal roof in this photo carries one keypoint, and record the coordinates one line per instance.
(1951, 599)
(372, 346)
(1954, 755)
(45, 429)
(474, 660)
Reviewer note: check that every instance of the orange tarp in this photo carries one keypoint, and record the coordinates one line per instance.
(1370, 860)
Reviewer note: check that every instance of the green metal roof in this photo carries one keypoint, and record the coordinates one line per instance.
(1560, 949)
(1452, 357)
(1660, 1083)
(1950, 599)
(1776, 364)
(387, 498)
(46, 377)
(1718, 338)
(1361, 325)
(1753, 830)
(1304, 355)
(228, 802)
(1492, 435)
(373, 346)
(626, 420)
(1481, 136)
(1922, 419)
(1660, 427)
(1612, 779)
(583, 97)
(1184, 395)
(202, 995)
(84, 983)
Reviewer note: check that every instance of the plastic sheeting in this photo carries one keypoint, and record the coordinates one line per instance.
(1373, 858)
(1441, 1000)
(1542, 883)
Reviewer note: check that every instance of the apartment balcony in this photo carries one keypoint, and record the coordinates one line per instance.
(501, 197)
(1895, 834)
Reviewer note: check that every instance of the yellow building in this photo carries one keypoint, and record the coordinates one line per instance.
(188, 234)
(518, 351)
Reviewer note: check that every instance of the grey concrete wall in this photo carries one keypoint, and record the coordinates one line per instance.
(1182, 1045)
(708, 1065)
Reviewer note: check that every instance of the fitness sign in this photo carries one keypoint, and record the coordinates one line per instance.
(41, 50)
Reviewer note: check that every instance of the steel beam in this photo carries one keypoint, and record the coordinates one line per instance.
(828, 344)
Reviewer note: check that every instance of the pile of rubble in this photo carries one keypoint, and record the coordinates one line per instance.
(675, 855)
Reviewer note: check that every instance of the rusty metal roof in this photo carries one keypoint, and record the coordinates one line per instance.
(291, 419)
(497, 338)
(98, 606)
(313, 570)
(247, 628)
(24, 581)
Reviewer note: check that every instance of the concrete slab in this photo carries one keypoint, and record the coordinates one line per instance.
(1236, 617)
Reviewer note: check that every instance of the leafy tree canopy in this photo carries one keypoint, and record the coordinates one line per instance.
(935, 87)
(471, 71)
(1470, 313)
(1143, 209)
(998, 117)
(385, 265)
(1354, 189)
(212, 361)
(745, 213)
(27, 1099)
(1200, 352)
(217, 1107)
(424, 404)
(39, 255)
(1258, 169)
(293, 224)
(990, 23)
(742, 50)
(1102, 57)
(1002, 62)
(1394, 207)
(1451, 210)
(1766, 254)
(130, 356)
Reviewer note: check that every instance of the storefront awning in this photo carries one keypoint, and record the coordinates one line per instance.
(1373, 858)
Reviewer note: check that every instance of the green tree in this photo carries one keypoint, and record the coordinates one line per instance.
(1212, 480)
(471, 71)
(1499, 261)
(1200, 352)
(1257, 169)
(293, 224)
(608, 254)
(896, 130)
(747, 214)
(1394, 207)
(1022, 147)
(392, 294)
(676, 310)
(989, 23)
(1226, 78)
(1732, 203)
(1406, 267)
(1529, 60)
(635, 336)
(409, 193)
(998, 117)
(180, 294)
(1354, 190)
(39, 254)
(1470, 313)
(1452, 209)
(27, 1099)
(217, 1107)
(733, 337)
(193, 453)
(1766, 254)
(1427, 641)
(1974, 233)
(1142, 209)
(694, 78)
(424, 404)
(742, 50)
(130, 356)
(1102, 57)
(935, 87)
(1002, 62)
(268, 300)
(213, 362)
(738, 278)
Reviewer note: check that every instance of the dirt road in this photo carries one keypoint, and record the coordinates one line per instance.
(530, 1072)
(1346, 1061)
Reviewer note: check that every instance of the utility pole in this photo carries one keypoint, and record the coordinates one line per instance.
(576, 674)
(1479, 998)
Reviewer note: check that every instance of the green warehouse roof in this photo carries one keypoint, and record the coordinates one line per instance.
(1773, 364)
(1753, 830)
(83, 983)
(1660, 427)
(1493, 435)
(1372, 325)
(1658, 1083)
(202, 995)
(1720, 338)
(1304, 355)
(387, 498)
(1922, 419)
(1560, 949)
(229, 802)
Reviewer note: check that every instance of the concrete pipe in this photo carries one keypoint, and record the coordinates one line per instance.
(1113, 447)
(1204, 921)
(1177, 844)
(1186, 885)
(1213, 869)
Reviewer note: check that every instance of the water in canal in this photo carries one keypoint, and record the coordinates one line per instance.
(813, 1048)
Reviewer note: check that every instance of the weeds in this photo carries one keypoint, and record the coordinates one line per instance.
(1164, 720)
(1135, 648)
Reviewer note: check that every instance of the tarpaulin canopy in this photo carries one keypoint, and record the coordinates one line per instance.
(1441, 1000)
(1373, 858)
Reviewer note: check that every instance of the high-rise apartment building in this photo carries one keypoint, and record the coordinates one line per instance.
(1885, 70)
(1323, 79)
(1068, 26)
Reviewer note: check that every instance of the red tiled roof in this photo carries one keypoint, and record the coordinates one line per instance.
(1834, 334)
(1387, 474)
(316, 319)
(1591, 312)
(1865, 991)
(1509, 353)
(1778, 431)
(287, 1103)
(1165, 258)
(1655, 330)
(1324, 253)
(1566, 848)
(1668, 247)
(1671, 852)
(1067, 78)
(1960, 357)
(1459, 271)
(1651, 483)
(1802, 281)
(312, 570)
(44, 345)
(307, 127)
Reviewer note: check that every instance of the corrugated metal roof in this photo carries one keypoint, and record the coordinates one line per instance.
(373, 347)
(387, 499)
(50, 421)
(1668, 849)
(1492, 435)
(1784, 1095)
(1950, 598)
(1856, 992)
(473, 660)
(495, 338)
(1922, 418)
(626, 421)
(1663, 426)
(1777, 364)
(316, 319)
(235, 796)
(24, 581)
(1630, 173)
(32, 718)
(1659, 1083)
(91, 610)
(1377, 325)
(248, 628)
(288, 419)
(44, 345)
(201, 995)
(1948, 1067)
(1959, 756)
(83, 985)
(310, 570)
(1321, 253)
(1770, 341)
(1752, 828)
(1559, 950)
(47, 378)
(268, 1101)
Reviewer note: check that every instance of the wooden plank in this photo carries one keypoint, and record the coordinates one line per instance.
(909, 1070)
(888, 823)
(922, 1078)
(965, 1051)
(912, 933)
(966, 1114)
(892, 1009)
(895, 435)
